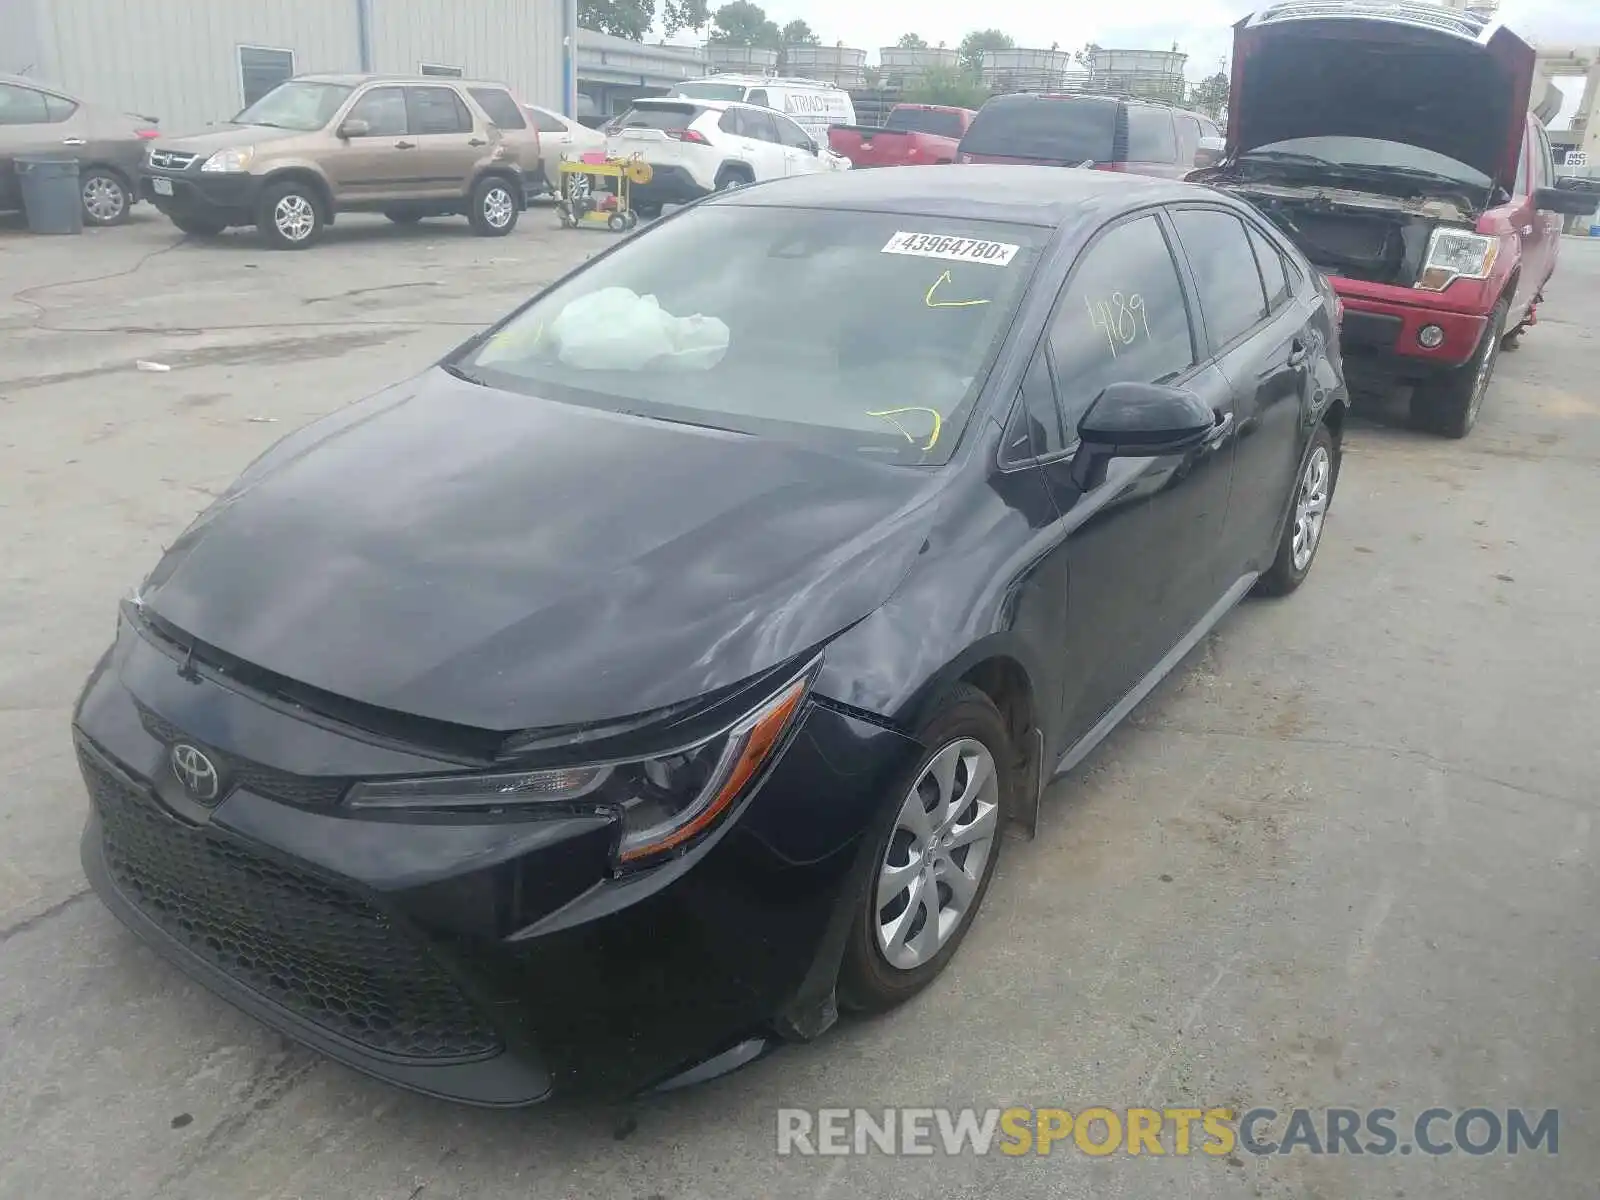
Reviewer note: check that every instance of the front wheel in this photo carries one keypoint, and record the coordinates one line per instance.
(493, 208)
(1449, 404)
(1302, 533)
(933, 863)
(290, 216)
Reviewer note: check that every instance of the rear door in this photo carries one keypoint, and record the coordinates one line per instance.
(517, 134)
(1143, 545)
(443, 142)
(1259, 336)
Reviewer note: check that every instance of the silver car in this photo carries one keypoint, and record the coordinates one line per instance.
(109, 146)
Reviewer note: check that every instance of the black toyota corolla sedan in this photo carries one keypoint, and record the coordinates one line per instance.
(656, 674)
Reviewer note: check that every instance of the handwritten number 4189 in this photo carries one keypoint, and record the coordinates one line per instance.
(1120, 318)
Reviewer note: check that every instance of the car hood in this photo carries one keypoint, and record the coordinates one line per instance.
(225, 137)
(1415, 74)
(491, 560)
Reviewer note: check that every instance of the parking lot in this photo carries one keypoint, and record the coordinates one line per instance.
(1343, 857)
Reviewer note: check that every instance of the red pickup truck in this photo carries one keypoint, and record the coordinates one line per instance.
(914, 135)
(1392, 143)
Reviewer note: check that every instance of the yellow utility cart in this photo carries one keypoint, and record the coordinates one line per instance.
(595, 190)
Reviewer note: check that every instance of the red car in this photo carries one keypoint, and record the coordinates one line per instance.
(1392, 143)
(913, 135)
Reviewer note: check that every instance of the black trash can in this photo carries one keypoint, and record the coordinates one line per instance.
(50, 193)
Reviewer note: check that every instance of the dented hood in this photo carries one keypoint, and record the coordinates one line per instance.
(1413, 73)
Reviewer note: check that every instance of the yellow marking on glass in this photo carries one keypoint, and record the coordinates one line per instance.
(889, 414)
(940, 282)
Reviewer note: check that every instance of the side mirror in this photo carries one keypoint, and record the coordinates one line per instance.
(1139, 420)
(355, 127)
(1210, 152)
(1569, 202)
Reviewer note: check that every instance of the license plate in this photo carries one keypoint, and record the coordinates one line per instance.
(161, 187)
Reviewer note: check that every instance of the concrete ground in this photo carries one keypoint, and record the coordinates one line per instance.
(1344, 857)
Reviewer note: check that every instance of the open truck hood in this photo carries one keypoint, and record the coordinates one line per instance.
(1414, 73)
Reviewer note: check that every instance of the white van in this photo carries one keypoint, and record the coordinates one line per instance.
(811, 103)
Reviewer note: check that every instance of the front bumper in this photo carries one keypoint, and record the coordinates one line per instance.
(495, 962)
(228, 198)
(1382, 323)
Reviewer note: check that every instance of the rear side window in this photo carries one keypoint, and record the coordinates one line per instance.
(499, 107)
(755, 124)
(1272, 271)
(1059, 130)
(1150, 136)
(1224, 271)
(1121, 320)
(436, 110)
(660, 116)
(924, 120)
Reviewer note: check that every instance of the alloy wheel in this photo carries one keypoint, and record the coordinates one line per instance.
(104, 198)
(1311, 506)
(295, 217)
(498, 207)
(934, 863)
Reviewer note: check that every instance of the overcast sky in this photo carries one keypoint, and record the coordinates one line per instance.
(1200, 27)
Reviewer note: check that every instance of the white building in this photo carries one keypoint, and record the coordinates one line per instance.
(192, 62)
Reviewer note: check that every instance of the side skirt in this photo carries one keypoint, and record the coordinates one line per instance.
(1160, 671)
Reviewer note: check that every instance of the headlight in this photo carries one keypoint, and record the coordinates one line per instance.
(1456, 254)
(232, 160)
(664, 801)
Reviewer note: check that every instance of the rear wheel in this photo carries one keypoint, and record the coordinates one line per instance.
(1449, 404)
(1302, 533)
(106, 197)
(493, 207)
(932, 865)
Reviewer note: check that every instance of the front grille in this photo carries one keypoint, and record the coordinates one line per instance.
(1374, 330)
(308, 945)
(303, 791)
(172, 160)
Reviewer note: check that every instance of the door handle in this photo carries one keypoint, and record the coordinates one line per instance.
(476, 142)
(405, 145)
(74, 142)
(1220, 430)
(1298, 354)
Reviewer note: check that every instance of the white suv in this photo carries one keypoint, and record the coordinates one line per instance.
(696, 147)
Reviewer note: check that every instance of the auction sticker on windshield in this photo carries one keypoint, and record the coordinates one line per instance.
(954, 249)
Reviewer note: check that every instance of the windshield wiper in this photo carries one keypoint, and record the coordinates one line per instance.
(460, 372)
(1290, 157)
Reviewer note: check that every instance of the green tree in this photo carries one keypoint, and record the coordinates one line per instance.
(911, 41)
(742, 23)
(685, 14)
(946, 85)
(1085, 57)
(798, 33)
(976, 42)
(621, 18)
(1210, 94)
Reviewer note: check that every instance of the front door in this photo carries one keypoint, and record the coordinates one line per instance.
(1541, 231)
(1142, 546)
(375, 165)
(799, 151)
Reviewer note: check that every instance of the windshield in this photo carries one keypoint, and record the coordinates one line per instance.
(863, 333)
(710, 91)
(296, 105)
(925, 120)
(1359, 152)
(1070, 131)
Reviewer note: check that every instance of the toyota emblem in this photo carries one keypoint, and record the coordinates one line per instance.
(196, 772)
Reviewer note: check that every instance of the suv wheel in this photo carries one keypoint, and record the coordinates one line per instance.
(493, 209)
(733, 177)
(1449, 404)
(290, 216)
(105, 197)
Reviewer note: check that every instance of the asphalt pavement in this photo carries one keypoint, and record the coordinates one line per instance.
(1343, 857)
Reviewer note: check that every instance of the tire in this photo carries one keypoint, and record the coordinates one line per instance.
(887, 960)
(1449, 404)
(730, 178)
(492, 209)
(107, 197)
(1308, 513)
(1512, 339)
(291, 216)
(648, 212)
(401, 217)
(197, 226)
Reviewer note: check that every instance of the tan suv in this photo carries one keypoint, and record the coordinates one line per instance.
(320, 145)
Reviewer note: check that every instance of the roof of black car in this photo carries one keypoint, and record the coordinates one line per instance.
(1044, 196)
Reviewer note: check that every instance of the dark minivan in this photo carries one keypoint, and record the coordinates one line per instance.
(1103, 132)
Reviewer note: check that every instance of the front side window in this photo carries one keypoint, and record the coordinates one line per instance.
(384, 111)
(500, 108)
(1231, 294)
(436, 110)
(22, 106)
(860, 333)
(297, 105)
(791, 134)
(262, 69)
(1544, 163)
(1150, 135)
(1122, 318)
